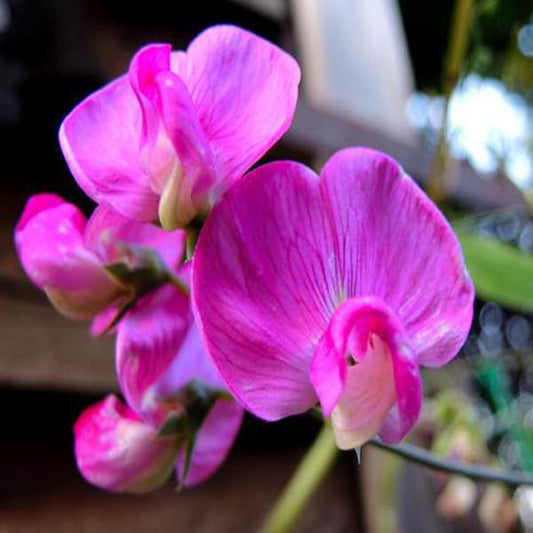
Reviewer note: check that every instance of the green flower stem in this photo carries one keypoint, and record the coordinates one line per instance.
(310, 473)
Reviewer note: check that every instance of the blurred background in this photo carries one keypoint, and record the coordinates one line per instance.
(444, 87)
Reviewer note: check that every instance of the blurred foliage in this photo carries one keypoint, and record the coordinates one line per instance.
(458, 432)
(494, 382)
(501, 272)
(494, 30)
(493, 49)
(517, 72)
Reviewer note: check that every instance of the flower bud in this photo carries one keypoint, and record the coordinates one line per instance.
(117, 451)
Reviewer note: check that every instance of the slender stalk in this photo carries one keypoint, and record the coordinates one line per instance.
(310, 473)
(453, 65)
(457, 44)
(472, 471)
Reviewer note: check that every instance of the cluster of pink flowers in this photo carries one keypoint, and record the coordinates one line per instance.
(302, 289)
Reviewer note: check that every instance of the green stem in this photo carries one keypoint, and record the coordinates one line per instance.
(310, 473)
(457, 44)
(453, 66)
(477, 472)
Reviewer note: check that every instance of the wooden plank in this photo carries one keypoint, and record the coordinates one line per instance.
(41, 491)
(40, 348)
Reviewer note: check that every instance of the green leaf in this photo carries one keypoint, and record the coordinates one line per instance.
(501, 272)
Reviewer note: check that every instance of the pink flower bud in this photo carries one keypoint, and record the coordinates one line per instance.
(50, 243)
(116, 450)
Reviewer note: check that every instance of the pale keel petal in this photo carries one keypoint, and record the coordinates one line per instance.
(367, 398)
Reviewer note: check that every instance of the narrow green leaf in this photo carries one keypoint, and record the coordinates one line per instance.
(501, 272)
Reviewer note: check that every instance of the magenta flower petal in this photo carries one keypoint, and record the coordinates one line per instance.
(263, 288)
(149, 338)
(404, 249)
(176, 154)
(147, 63)
(220, 428)
(328, 372)
(187, 191)
(108, 232)
(245, 91)
(49, 241)
(283, 250)
(100, 140)
(215, 439)
(37, 203)
(159, 354)
(117, 451)
(191, 363)
(102, 323)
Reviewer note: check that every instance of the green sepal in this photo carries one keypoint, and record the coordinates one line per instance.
(142, 270)
(197, 400)
(174, 425)
(118, 317)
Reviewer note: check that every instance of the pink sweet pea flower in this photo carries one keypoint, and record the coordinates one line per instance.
(332, 289)
(167, 379)
(69, 257)
(163, 143)
(116, 450)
